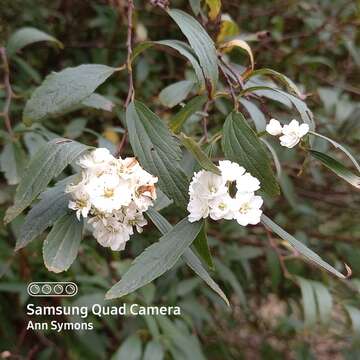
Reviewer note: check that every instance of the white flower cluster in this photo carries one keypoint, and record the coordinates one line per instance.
(211, 195)
(291, 134)
(113, 193)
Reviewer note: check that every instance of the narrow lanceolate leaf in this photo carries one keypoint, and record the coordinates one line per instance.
(227, 275)
(200, 42)
(309, 303)
(240, 144)
(189, 256)
(354, 314)
(64, 91)
(26, 36)
(189, 109)
(324, 301)
(338, 168)
(156, 259)
(255, 113)
(48, 162)
(284, 80)
(62, 244)
(13, 161)
(181, 47)
(300, 247)
(198, 154)
(157, 151)
(175, 93)
(202, 247)
(99, 102)
(53, 204)
(185, 344)
(340, 147)
(154, 351)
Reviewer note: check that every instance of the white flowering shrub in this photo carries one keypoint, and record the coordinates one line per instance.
(200, 152)
(210, 195)
(113, 194)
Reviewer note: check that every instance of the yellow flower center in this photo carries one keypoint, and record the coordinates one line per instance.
(108, 192)
(244, 208)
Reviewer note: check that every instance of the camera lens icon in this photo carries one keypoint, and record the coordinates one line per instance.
(46, 289)
(52, 289)
(58, 289)
(34, 289)
(70, 289)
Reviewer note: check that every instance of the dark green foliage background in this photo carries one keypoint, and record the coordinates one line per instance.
(315, 43)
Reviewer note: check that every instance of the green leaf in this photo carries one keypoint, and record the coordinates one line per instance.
(202, 247)
(190, 108)
(338, 168)
(62, 244)
(286, 99)
(130, 349)
(175, 93)
(30, 71)
(201, 43)
(26, 36)
(240, 144)
(64, 91)
(354, 314)
(53, 204)
(187, 344)
(198, 154)
(154, 351)
(284, 80)
(255, 113)
(157, 151)
(99, 102)
(189, 257)
(323, 300)
(48, 162)
(339, 146)
(13, 161)
(181, 47)
(228, 276)
(309, 303)
(300, 247)
(156, 259)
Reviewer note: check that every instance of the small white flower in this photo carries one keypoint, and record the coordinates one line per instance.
(110, 233)
(144, 189)
(221, 207)
(274, 127)
(108, 192)
(198, 209)
(128, 168)
(247, 183)
(135, 218)
(98, 161)
(80, 204)
(80, 201)
(292, 133)
(207, 185)
(230, 171)
(247, 209)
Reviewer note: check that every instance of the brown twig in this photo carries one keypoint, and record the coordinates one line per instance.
(281, 258)
(131, 91)
(8, 91)
(232, 92)
(204, 119)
